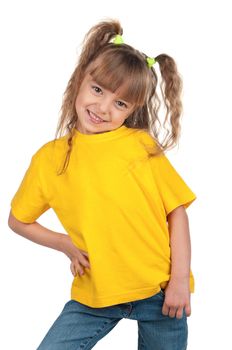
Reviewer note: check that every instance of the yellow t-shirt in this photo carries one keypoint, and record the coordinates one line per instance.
(113, 202)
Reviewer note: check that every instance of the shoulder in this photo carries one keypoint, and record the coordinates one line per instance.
(147, 141)
(143, 135)
(51, 151)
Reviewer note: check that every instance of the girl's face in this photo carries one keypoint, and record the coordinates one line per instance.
(98, 109)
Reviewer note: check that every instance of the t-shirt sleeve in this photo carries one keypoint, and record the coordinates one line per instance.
(172, 188)
(29, 202)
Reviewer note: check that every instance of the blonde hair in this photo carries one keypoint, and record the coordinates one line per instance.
(113, 66)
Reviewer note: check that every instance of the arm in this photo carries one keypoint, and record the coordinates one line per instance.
(36, 233)
(177, 293)
(180, 244)
(51, 239)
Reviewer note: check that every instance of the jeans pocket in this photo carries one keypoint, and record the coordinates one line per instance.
(162, 292)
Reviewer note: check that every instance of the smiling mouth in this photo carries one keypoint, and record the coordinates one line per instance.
(95, 118)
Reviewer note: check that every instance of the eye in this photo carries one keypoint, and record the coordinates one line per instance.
(96, 89)
(121, 104)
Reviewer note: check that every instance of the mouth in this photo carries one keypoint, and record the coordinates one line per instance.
(95, 118)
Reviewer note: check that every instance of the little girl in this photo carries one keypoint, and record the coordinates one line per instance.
(118, 197)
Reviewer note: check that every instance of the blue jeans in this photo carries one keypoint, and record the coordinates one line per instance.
(80, 327)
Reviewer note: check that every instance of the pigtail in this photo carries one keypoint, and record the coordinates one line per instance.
(171, 89)
(97, 37)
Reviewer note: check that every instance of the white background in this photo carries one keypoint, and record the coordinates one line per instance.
(40, 41)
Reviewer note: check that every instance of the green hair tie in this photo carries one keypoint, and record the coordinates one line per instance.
(150, 61)
(118, 39)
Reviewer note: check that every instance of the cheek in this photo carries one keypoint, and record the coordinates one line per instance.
(127, 115)
(79, 101)
(76, 103)
(121, 118)
(83, 100)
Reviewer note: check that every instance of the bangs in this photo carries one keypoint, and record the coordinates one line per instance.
(126, 76)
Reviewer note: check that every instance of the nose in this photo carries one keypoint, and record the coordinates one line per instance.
(104, 105)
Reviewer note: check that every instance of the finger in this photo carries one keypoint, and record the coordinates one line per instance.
(72, 268)
(165, 310)
(80, 269)
(179, 313)
(77, 267)
(188, 310)
(84, 253)
(172, 312)
(83, 261)
(83, 256)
